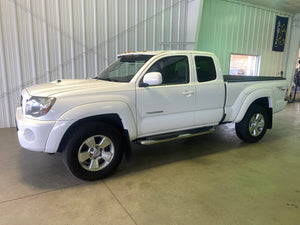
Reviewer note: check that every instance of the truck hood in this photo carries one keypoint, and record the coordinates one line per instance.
(69, 85)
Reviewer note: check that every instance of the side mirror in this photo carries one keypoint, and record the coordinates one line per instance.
(151, 79)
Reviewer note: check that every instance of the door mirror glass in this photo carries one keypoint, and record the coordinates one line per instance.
(152, 78)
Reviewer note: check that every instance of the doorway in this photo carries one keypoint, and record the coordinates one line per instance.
(295, 91)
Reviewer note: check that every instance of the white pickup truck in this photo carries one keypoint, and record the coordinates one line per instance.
(145, 98)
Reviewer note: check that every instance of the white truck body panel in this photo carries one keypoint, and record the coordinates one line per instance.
(242, 94)
(164, 108)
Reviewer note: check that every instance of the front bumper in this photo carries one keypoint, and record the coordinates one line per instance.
(33, 134)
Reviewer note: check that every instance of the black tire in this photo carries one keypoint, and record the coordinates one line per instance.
(93, 150)
(254, 124)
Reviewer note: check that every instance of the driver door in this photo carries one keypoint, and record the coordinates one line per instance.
(169, 106)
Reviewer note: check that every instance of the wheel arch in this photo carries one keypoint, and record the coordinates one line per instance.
(265, 102)
(115, 112)
(111, 119)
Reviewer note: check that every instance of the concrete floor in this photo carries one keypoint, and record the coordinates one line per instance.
(211, 179)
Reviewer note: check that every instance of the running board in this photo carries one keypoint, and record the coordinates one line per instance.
(174, 136)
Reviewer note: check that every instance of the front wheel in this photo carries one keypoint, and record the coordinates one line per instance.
(93, 151)
(254, 124)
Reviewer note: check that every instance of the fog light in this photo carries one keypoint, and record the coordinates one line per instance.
(28, 135)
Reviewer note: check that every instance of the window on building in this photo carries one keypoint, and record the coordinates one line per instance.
(244, 64)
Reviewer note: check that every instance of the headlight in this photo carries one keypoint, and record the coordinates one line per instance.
(39, 106)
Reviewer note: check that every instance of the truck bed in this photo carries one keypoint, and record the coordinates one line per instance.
(235, 78)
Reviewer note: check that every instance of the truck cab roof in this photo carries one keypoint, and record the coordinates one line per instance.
(171, 52)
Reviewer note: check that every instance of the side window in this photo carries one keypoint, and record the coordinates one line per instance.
(205, 67)
(174, 70)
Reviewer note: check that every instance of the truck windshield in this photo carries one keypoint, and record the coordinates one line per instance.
(124, 68)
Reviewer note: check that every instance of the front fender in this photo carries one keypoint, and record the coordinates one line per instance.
(88, 110)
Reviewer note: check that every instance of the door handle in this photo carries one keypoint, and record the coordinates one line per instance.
(188, 93)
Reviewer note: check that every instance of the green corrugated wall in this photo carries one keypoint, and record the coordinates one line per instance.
(227, 27)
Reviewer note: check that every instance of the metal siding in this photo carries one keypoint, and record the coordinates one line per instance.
(4, 97)
(41, 41)
(65, 40)
(236, 27)
(11, 59)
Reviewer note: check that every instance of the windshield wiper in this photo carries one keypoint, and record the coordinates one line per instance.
(106, 79)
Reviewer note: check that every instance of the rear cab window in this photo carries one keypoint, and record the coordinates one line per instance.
(205, 68)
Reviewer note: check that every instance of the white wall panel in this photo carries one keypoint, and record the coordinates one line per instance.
(44, 40)
(234, 27)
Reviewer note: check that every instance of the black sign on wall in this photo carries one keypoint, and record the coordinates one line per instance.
(280, 33)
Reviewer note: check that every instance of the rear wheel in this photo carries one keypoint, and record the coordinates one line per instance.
(93, 151)
(254, 124)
